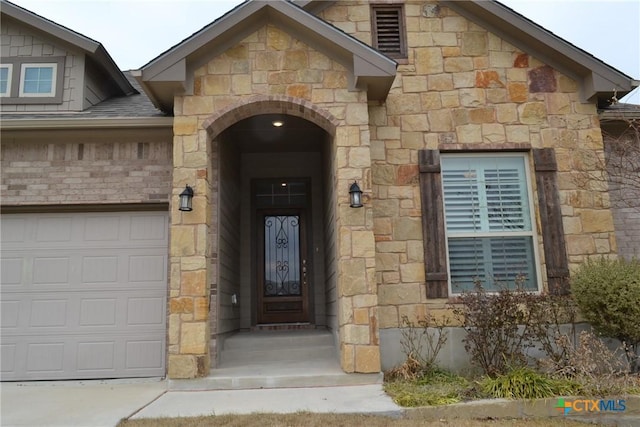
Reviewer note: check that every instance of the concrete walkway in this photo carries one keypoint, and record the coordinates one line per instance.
(75, 403)
(105, 403)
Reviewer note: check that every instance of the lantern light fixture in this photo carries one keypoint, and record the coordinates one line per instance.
(355, 195)
(186, 199)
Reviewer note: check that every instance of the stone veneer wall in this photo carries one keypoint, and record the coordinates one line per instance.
(85, 169)
(271, 72)
(462, 87)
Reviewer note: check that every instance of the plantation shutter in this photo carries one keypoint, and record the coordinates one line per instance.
(488, 222)
(551, 218)
(388, 30)
(433, 225)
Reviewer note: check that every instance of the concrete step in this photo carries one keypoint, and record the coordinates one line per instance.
(267, 340)
(305, 374)
(277, 359)
(237, 357)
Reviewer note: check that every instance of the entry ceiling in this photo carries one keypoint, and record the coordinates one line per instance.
(258, 134)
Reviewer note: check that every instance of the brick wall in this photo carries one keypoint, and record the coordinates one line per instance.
(624, 161)
(113, 170)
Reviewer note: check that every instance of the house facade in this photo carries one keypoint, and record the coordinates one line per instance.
(459, 121)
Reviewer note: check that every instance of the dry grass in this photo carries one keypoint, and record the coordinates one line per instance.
(334, 420)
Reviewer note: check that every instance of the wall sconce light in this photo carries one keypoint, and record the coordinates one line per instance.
(355, 195)
(186, 197)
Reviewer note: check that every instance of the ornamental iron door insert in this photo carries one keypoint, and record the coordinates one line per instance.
(282, 274)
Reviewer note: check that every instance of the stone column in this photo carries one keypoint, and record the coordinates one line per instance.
(189, 253)
(358, 301)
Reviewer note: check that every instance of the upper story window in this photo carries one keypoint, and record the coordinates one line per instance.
(31, 80)
(38, 79)
(6, 72)
(488, 216)
(389, 34)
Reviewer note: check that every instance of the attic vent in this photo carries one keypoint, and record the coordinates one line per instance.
(388, 30)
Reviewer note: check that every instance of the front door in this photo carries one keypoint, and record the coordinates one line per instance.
(282, 267)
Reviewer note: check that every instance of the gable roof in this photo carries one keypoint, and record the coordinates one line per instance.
(171, 72)
(90, 47)
(597, 80)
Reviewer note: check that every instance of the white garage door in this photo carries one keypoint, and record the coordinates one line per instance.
(83, 295)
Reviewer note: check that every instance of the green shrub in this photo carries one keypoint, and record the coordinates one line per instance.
(608, 295)
(525, 383)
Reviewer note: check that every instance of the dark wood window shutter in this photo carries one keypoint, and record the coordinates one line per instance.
(433, 225)
(555, 252)
(388, 30)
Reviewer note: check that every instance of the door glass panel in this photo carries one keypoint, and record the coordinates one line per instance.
(280, 193)
(282, 255)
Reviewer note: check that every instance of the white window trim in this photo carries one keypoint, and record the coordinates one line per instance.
(54, 79)
(532, 215)
(9, 68)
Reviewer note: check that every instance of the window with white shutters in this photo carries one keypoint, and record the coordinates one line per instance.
(388, 30)
(487, 213)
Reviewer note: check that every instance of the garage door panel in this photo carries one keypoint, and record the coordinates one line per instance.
(147, 268)
(8, 355)
(13, 230)
(45, 357)
(137, 268)
(98, 312)
(100, 269)
(11, 274)
(151, 228)
(53, 229)
(84, 312)
(93, 356)
(144, 354)
(78, 303)
(48, 313)
(101, 229)
(145, 311)
(82, 357)
(51, 270)
(10, 311)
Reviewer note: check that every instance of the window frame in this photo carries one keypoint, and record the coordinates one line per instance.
(23, 74)
(15, 93)
(9, 68)
(533, 232)
(402, 29)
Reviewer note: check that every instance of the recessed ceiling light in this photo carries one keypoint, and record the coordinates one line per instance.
(277, 123)
(284, 184)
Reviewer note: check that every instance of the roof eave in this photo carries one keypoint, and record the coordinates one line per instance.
(86, 123)
(89, 46)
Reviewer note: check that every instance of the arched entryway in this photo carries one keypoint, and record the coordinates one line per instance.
(274, 229)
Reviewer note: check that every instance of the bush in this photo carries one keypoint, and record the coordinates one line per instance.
(596, 370)
(498, 327)
(608, 295)
(421, 342)
(502, 326)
